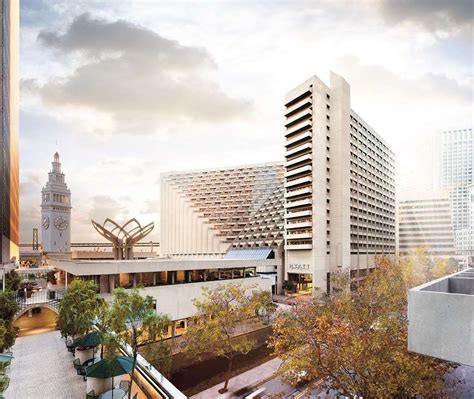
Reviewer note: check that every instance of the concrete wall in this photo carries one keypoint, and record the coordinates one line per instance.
(441, 324)
(177, 300)
(340, 237)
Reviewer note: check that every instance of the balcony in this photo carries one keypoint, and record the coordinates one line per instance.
(298, 246)
(305, 102)
(299, 236)
(292, 215)
(441, 318)
(296, 204)
(302, 191)
(300, 137)
(299, 225)
(304, 169)
(297, 116)
(305, 147)
(304, 158)
(295, 182)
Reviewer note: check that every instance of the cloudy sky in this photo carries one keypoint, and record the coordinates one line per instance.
(127, 90)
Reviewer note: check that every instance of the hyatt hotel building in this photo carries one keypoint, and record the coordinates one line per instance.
(9, 207)
(339, 186)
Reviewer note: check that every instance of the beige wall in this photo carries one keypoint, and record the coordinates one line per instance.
(340, 174)
(183, 230)
(177, 300)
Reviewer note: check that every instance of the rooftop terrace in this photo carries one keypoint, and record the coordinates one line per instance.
(441, 318)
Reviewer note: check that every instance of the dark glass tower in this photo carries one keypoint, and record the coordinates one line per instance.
(9, 193)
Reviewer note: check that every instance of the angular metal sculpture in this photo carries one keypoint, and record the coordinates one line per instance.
(123, 238)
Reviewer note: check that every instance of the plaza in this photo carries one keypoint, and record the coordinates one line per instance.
(42, 368)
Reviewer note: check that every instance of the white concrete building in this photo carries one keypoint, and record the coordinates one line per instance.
(202, 212)
(426, 223)
(339, 185)
(173, 283)
(56, 211)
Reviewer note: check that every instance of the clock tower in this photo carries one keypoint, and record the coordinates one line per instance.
(56, 211)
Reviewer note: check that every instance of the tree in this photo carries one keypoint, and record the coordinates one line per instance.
(356, 342)
(220, 312)
(160, 354)
(12, 281)
(4, 380)
(8, 309)
(79, 308)
(418, 268)
(443, 267)
(135, 321)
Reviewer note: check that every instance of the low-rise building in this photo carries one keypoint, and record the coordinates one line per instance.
(173, 283)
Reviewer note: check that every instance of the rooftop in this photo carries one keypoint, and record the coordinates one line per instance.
(441, 318)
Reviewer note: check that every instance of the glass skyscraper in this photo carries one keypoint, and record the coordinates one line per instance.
(455, 156)
(9, 192)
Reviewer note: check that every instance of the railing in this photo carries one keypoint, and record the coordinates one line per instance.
(29, 298)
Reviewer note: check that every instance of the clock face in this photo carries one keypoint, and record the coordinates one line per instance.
(60, 223)
(45, 222)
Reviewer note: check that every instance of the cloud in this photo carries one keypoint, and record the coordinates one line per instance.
(31, 184)
(151, 206)
(104, 206)
(434, 15)
(376, 81)
(135, 76)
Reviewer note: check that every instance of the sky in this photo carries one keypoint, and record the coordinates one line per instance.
(127, 90)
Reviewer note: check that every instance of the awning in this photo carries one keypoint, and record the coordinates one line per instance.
(248, 253)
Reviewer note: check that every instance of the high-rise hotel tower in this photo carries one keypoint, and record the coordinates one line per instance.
(9, 234)
(339, 186)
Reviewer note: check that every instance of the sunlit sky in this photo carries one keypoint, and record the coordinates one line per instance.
(125, 90)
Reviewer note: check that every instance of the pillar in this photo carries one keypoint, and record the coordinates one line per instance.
(134, 279)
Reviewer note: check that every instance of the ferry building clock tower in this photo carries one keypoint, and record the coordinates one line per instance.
(56, 211)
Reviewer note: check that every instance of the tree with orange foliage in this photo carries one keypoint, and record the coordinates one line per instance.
(356, 342)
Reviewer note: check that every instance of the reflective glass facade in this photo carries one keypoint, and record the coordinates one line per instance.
(9, 190)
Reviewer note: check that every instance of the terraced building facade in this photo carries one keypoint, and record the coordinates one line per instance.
(203, 212)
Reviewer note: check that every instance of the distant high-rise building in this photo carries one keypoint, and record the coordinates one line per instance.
(465, 236)
(203, 212)
(9, 194)
(453, 169)
(56, 211)
(339, 185)
(426, 223)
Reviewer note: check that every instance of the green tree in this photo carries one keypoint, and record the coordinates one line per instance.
(160, 354)
(220, 312)
(4, 380)
(356, 342)
(79, 308)
(13, 281)
(8, 309)
(135, 321)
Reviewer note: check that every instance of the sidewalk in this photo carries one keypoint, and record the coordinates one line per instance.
(42, 368)
(241, 381)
